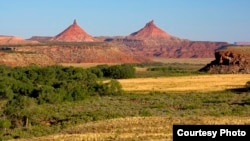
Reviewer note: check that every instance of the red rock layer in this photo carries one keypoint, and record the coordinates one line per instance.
(231, 60)
(150, 30)
(74, 33)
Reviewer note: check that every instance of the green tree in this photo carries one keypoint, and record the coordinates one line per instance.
(119, 71)
(18, 110)
(6, 91)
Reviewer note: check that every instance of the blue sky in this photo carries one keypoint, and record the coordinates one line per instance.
(200, 20)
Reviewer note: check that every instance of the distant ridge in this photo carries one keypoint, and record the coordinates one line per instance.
(150, 31)
(8, 40)
(74, 33)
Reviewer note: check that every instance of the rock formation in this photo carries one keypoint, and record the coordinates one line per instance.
(151, 41)
(228, 61)
(150, 31)
(40, 38)
(86, 53)
(74, 33)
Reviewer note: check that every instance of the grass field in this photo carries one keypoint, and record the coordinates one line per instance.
(183, 60)
(152, 103)
(135, 128)
(150, 117)
(201, 83)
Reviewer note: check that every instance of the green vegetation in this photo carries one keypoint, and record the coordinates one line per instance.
(38, 101)
(168, 69)
(115, 72)
(49, 118)
(25, 88)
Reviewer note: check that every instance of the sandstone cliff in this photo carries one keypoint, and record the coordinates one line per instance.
(230, 59)
(150, 31)
(86, 53)
(151, 41)
(74, 33)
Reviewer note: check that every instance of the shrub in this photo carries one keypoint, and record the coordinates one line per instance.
(119, 71)
(97, 71)
(5, 124)
(52, 84)
(248, 85)
(110, 88)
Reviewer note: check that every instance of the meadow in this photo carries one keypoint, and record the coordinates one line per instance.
(158, 96)
(193, 83)
(134, 128)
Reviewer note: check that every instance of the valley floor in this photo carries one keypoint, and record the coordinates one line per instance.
(201, 83)
(135, 128)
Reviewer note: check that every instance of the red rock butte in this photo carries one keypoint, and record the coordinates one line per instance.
(150, 30)
(74, 33)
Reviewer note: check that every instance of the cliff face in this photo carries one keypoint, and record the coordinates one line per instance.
(74, 33)
(230, 60)
(85, 54)
(175, 48)
(151, 41)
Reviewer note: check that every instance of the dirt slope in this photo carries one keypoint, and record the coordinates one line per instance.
(101, 53)
(24, 59)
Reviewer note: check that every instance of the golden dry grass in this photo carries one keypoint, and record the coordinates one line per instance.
(135, 128)
(183, 60)
(201, 83)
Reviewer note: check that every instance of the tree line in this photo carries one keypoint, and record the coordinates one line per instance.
(25, 87)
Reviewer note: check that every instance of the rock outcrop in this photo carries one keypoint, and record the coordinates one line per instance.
(74, 33)
(228, 61)
(40, 38)
(151, 41)
(173, 48)
(150, 31)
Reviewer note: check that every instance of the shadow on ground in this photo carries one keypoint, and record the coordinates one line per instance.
(241, 91)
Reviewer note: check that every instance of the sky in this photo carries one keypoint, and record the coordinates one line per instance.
(198, 20)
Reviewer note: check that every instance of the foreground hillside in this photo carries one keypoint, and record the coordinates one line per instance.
(135, 128)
